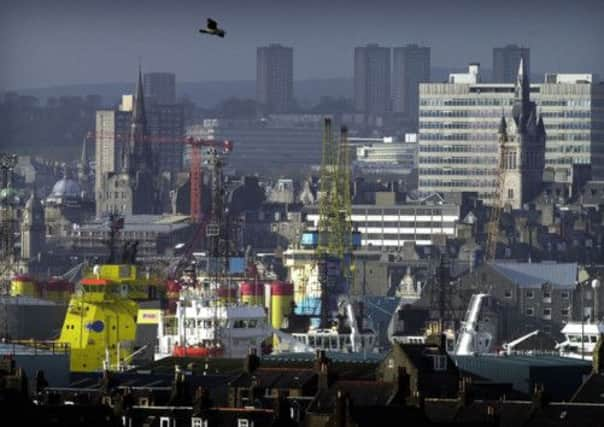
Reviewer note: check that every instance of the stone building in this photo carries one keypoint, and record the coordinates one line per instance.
(133, 190)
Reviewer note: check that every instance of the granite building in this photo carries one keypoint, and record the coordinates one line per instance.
(274, 78)
(160, 88)
(459, 124)
(506, 60)
(372, 79)
(132, 190)
(411, 66)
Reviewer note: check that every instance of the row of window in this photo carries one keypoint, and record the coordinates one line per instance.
(403, 224)
(465, 102)
(474, 160)
(547, 312)
(456, 171)
(569, 149)
(483, 136)
(395, 211)
(530, 294)
(467, 183)
(460, 125)
(458, 148)
(567, 114)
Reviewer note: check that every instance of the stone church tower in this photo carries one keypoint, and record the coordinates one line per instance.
(133, 190)
(523, 152)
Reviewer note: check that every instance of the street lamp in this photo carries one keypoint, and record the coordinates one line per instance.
(595, 284)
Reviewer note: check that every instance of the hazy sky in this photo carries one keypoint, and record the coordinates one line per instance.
(54, 42)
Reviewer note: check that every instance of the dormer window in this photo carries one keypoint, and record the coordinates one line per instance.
(440, 362)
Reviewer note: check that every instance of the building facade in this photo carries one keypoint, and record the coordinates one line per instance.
(268, 145)
(166, 128)
(372, 79)
(160, 88)
(458, 131)
(274, 78)
(386, 225)
(111, 130)
(411, 66)
(522, 156)
(132, 189)
(506, 60)
(385, 156)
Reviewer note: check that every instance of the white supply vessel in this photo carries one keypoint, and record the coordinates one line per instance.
(207, 326)
(580, 339)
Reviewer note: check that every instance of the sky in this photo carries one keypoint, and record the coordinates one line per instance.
(59, 42)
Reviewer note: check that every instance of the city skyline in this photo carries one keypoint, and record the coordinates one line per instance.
(39, 47)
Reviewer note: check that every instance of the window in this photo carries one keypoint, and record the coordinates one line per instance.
(530, 311)
(440, 362)
(243, 422)
(508, 293)
(547, 294)
(547, 313)
(564, 295)
(164, 422)
(564, 312)
(510, 193)
(530, 294)
(198, 422)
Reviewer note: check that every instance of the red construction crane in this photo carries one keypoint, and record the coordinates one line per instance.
(196, 177)
(195, 162)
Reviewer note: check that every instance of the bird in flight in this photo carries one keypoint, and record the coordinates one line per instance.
(212, 28)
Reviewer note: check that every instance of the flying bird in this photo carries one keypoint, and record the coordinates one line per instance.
(212, 28)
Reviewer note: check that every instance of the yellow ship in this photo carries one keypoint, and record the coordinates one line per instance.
(100, 324)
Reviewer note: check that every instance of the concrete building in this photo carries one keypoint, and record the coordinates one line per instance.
(471, 77)
(572, 107)
(385, 156)
(411, 66)
(166, 128)
(160, 88)
(506, 60)
(111, 130)
(156, 234)
(372, 79)
(271, 146)
(388, 224)
(133, 188)
(458, 129)
(274, 78)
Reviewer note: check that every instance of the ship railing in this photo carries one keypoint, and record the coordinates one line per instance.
(37, 346)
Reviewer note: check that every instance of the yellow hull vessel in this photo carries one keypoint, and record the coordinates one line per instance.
(100, 324)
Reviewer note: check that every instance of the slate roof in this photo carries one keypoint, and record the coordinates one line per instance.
(533, 275)
(276, 378)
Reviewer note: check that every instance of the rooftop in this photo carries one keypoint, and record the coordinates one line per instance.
(533, 275)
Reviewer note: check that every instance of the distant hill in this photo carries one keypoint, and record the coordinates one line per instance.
(204, 94)
(209, 93)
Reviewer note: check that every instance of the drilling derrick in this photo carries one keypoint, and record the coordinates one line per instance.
(8, 215)
(334, 229)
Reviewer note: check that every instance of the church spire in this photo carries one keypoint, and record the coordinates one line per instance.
(503, 128)
(138, 114)
(522, 89)
(138, 154)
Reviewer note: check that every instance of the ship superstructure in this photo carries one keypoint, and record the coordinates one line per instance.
(207, 325)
